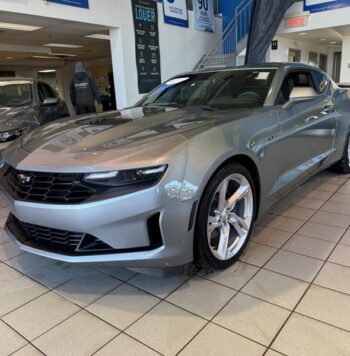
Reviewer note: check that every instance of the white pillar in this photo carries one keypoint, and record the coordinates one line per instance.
(345, 61)
(124, 65)
(119, 74)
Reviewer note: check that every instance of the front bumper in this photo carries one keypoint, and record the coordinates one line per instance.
(121, 223)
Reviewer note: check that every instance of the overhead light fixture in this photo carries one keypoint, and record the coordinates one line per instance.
(63, 54)
(99, 36)
(47, 71)
(333, 42)
(18, 27)
(62, 45)
(45, 57)
(8, 57)
(302, 33)
(323, 39)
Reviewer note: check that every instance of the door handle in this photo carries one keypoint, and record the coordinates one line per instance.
(310, 119)
(328, 109)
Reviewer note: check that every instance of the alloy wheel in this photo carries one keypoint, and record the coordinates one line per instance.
(230, 216)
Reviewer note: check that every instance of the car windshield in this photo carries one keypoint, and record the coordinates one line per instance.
(15, 94)
(221, 90)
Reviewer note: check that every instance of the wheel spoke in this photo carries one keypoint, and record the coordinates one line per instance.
(223, 242)
(238, 195)
(239, 224)
(213, 224)
(222, 195)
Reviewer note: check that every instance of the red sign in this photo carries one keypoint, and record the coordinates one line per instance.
(299, 21)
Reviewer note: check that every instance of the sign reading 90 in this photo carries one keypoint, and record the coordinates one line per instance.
(203, 4)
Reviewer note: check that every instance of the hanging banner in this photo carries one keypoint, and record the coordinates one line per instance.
(324, 5)
(145, 13)
(77, 3)
(175, 12)
(266, 18)
(204, 15)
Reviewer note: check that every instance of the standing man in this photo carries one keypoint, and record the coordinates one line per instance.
(83, 91)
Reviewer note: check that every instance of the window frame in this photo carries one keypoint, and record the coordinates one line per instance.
(295, 70)
(314, 71)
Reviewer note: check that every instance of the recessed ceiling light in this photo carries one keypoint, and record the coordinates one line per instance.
(63, 54)
(47, 71)
(99, 36)
(302, 33)
(18, 27)
(63, 45)
(323, 39)
(45, 57)
(333, 42)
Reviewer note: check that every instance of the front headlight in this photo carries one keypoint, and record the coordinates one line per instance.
(141, 176)
(12, 134)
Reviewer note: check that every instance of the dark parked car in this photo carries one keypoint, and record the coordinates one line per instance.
(26, 104)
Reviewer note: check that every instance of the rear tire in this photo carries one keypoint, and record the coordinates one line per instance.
(225, 218)
(343, 166)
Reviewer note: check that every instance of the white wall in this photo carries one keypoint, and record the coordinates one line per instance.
(281, 55)
(101, 12)
(319, 20)
(345, 70)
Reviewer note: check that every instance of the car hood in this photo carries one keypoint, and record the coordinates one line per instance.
(12, 118)
(136, 134)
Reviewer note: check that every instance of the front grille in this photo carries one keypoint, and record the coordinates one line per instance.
(55, 240)
(56, 188)
(74, 243)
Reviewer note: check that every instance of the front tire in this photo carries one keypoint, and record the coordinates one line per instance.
(225, 218)
(343, 166)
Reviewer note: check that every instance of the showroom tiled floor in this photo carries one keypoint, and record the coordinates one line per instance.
(289, 294)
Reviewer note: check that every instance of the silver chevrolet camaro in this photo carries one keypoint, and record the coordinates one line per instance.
(180, 177)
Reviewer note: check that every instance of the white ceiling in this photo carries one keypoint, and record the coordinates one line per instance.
(53, 31)
(316, 37)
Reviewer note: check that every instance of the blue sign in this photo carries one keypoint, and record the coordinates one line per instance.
(77, 3)
(324, 5)
(175, 12)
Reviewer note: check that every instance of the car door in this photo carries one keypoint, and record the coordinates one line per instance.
(308, 126)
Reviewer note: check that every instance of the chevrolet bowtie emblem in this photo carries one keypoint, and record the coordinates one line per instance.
(24, 179)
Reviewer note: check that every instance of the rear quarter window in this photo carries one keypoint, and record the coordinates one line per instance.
(321, 81)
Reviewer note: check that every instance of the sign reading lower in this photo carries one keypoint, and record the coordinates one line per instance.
(324, 5)
(78, 3)
(175, 12)
(204, 15)
(145, 13)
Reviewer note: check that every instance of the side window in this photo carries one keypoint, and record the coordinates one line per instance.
(50, 92)
(292, 80)
(41, 92)
(321, 81)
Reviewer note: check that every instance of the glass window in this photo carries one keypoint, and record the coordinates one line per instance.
(15, 94)
(45, 91)
(50, 91)
(292, 80)
(41, 92)
(321, 81)
(221, 89)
